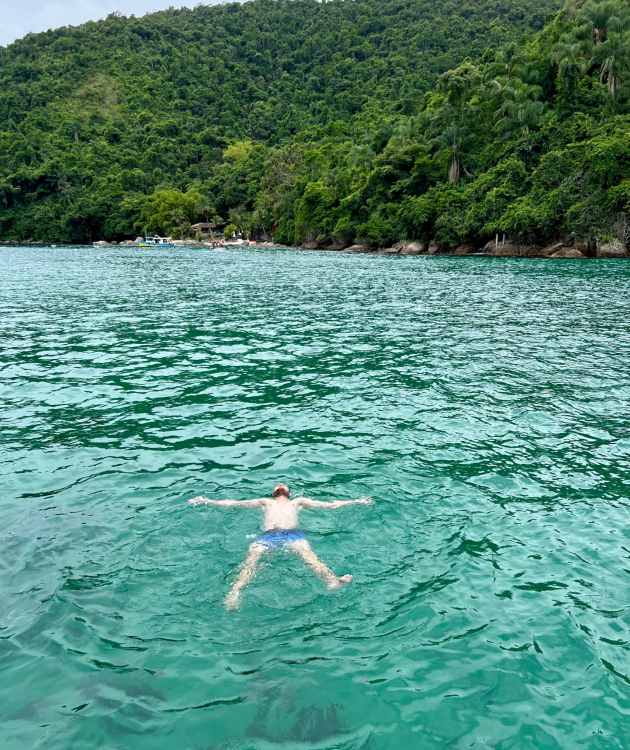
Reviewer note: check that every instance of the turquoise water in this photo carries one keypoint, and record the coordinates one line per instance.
(482, 402)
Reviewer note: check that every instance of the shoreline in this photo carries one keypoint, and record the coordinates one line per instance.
(502, 250)
(493, 249)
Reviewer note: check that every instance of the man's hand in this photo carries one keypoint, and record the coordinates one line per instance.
(365, 500)
(199, 501)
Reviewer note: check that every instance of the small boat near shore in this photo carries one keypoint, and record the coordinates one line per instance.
(157, 242)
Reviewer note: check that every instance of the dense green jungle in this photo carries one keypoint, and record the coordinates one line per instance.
(369, 121)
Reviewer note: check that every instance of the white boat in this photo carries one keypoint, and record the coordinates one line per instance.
(157, 242)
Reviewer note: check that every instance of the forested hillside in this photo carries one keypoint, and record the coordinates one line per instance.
(328, 122)
(93, 118)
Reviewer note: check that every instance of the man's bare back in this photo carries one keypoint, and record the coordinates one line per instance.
(280, 518)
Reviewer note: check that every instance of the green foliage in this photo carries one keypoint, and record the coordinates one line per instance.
(370, 121)
(238, 151)
(93, 115)
(170, 211)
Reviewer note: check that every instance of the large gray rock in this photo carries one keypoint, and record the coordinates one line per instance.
(358, 249)
(507, 248)
(511, 250)
(611, 250)
(567, 252)
(388, 251)
(412, 248)
(548, 251)
(506, 251)
(582, 247)
(489, 246)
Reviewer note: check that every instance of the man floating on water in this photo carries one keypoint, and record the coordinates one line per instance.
(280, 532)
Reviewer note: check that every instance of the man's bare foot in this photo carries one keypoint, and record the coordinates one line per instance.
(232, 602)
(340, 582)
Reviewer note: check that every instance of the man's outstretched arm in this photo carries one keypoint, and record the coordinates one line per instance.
(306, 502)
(228, 503)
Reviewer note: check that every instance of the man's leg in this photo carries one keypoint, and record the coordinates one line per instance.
(303, 549)
(248, 571)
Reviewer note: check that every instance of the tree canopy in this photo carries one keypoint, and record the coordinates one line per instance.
(170, 211)
(369, 120)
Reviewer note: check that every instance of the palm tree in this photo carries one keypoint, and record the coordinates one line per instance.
(408, 133)
(614, 56)
(592, 17)
(521, 109)
(597, 20)
(568, 55)
(204, 207)
(242, 220)
(360, 156)
(180, 220)
(260, 217)
(605, 31)
(73, 126)
(64, 188)
(453, 142)
(380, 137)
(520, 116)
(528, 72)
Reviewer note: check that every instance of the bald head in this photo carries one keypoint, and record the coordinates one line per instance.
(281, 489)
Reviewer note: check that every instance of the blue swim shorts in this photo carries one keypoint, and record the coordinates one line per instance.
(279, 538)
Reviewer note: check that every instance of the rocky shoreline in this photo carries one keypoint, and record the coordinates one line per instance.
(499, 249)
(493, 248)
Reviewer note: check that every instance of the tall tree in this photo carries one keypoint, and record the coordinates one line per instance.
(452, 143)
(613, 55)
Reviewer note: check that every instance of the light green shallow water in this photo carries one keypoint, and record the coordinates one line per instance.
(482, 402)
